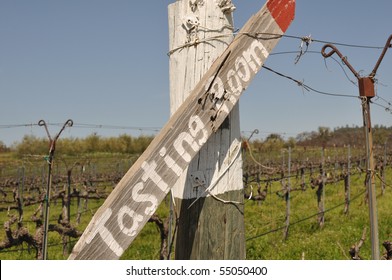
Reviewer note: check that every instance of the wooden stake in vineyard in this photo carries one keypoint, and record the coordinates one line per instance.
(139, 193)
(287, 196)
(347, 182)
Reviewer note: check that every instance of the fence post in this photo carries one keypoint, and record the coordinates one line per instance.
(321, 190)
(303, 184)
(52, 148)
(347, 183)
(207, 229)
(287, 195)
(366, 93)
(383, 170)
(21, 183)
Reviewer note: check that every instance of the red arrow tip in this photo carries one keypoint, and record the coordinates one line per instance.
(283, 12)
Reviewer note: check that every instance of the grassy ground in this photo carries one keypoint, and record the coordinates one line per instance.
(306, 238)
(264, 225)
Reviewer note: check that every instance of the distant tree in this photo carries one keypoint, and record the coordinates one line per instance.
(31, 145)
(126, 143)
(273, 141)
(3, 147)
(324, 134)
(70, 146)
(274, 137)
(257, 145)
(290, 143)
(381, 135)
(303, 136)
(92, 143)
(141, 143)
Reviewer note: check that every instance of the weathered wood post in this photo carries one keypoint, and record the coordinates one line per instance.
(287, 196)
(208, 227)
(138, 194)
(383, 170)
(347, 183)
(320, 182)
(21, 183)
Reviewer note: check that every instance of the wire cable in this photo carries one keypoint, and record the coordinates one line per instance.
(304, 219)
(333, 43)
(85, 125)
(305, 86)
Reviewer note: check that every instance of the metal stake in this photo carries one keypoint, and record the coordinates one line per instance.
(52, 148)
(366, 92)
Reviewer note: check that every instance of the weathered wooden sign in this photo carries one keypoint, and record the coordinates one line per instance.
(139, 193)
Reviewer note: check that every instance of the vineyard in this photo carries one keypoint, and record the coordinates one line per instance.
(301, 203)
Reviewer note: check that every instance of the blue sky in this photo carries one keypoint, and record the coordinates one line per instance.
(105, 63)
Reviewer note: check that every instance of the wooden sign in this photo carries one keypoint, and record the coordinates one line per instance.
(139, 193)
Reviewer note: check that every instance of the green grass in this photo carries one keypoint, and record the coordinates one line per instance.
(306, 238)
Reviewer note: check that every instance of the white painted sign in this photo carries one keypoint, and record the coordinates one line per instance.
(144, 186)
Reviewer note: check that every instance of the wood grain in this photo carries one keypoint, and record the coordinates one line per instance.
(144, 186)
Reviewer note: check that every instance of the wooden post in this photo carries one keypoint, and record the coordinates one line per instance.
(69, 173)
(287, 197)
(303, 184)
(383, 170)
(136, 197)
(208, 229)
(21, 183)
(347, 182)
(321, 190)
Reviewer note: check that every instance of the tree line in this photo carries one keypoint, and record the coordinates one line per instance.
(94, 143)
(325, 137)
(344, 135)
(127, 144)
